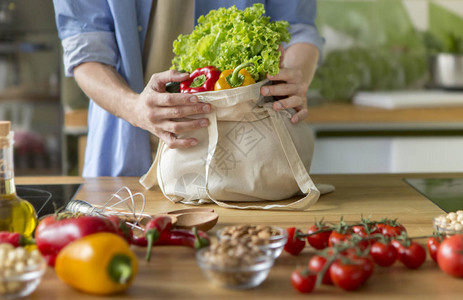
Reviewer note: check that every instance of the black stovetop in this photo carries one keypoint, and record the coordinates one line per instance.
(447, 193)
(47, 198)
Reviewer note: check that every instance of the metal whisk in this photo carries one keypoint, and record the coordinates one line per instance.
(109, 208)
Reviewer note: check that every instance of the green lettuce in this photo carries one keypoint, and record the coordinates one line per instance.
(227, 37)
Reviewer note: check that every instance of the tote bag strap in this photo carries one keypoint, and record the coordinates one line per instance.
(300, 173)
(150, 179)
(307, 187)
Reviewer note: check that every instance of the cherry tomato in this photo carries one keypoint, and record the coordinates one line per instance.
(397, 245)
(391, 230)
(295, 244)
(433, 246)
(337, 237)
(303, 280)
(360, 230)
(365, 232)
(383, 255)
(348, 276)
(412, 256)
(316, 265)
(318, 240)
(450, 255)
(367, 265)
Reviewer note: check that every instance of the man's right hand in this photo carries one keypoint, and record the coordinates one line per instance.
(160, 112)
(154, 109)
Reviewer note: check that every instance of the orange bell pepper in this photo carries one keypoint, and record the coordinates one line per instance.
(234, 78)
(100, 263)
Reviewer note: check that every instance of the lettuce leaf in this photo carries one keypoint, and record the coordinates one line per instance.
(227, 37)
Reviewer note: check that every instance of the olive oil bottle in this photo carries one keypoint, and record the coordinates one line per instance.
(16, 214)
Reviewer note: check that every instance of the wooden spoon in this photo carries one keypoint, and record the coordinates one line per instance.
(202, 218)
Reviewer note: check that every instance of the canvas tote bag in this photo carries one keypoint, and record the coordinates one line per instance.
(249, 157)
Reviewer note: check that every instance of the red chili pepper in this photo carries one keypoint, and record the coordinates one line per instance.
(159, 232)
(154, 230)
(53, 234)
(295, 243)
(196, 239)
(15, 239)
(201, 80)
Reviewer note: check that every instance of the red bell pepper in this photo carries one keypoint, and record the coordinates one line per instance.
(15, 239)
(201, 80)
(53, 234)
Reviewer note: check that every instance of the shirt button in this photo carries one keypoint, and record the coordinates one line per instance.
(140, 28)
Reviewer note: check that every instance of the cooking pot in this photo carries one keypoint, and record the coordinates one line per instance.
(446, 71)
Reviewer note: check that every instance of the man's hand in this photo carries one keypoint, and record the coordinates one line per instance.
(297, 68)
(292, 88)
(161, 113)
(153, 109)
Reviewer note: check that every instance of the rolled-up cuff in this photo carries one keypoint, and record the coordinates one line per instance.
(303, 33)
(97, 46)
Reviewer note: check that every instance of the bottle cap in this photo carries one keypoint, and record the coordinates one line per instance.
(5, 128)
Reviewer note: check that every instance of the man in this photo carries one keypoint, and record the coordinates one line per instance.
(105, 44)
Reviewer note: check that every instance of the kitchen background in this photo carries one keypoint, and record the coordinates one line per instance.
(371, 45)
(384, 45)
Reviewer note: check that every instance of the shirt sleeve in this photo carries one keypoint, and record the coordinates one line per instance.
(86, 30)
(301, 16)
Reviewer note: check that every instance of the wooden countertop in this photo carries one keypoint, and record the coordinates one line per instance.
(173, 273)
(336, 114)
(348, 113)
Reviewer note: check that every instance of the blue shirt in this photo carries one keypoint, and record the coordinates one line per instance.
(113, 32)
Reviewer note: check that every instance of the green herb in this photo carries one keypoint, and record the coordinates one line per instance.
(448, 42)
(225, 38)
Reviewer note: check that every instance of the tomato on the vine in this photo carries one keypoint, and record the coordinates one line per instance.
(347, 275)
(295, 244)
(383, 254)
(303, 280)
(367, 265)
(337, 237)
(316, 264)
(450, 255)
(360, 230)
(391, 228)
(412, 255)
(433, 246)
(318, 240)
(365, 230)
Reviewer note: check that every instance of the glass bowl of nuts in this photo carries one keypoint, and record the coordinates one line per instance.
(21, 271)
(270, 238)
(234, 265)
(449, 224)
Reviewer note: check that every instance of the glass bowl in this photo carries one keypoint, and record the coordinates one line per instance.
(22, 284)
(235, 277)
(274, 243)
(449, 224)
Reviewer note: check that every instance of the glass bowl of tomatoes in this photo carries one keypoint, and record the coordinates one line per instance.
(268, 238)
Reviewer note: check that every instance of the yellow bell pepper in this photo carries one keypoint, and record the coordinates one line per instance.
(100, 263)
(234, 78)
